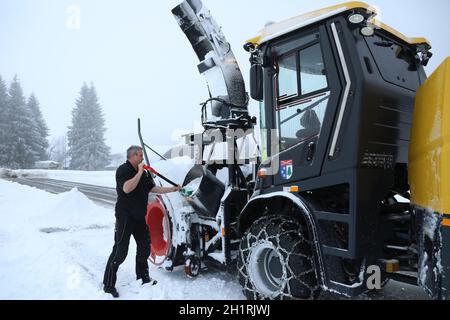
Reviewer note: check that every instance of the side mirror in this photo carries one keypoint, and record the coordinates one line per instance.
(256, 82)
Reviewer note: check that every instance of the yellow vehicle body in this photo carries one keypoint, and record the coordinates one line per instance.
(278, 29)
(429, 154)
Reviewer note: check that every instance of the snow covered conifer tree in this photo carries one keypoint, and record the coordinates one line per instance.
(87, 147)
(4, 126)
(18, 150)
(41, 130)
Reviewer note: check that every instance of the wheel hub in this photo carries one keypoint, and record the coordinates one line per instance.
(266, 268)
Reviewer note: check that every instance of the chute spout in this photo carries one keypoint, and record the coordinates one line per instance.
(217, 61)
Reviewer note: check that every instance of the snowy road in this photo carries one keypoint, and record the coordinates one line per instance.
(99, 194)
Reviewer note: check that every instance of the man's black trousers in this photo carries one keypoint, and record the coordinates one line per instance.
(125, 227)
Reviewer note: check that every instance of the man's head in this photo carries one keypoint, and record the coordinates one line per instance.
(135, 155)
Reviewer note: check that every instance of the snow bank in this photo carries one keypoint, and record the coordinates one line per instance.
(73, 210)
(36, 249)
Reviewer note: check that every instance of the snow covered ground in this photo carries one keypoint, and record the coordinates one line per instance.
(56, 247)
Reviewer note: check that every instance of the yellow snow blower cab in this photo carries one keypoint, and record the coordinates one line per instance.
(382, 135)
(352, 187)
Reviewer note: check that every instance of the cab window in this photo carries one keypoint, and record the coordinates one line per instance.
(302, 91)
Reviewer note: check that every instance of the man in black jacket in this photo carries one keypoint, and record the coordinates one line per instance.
(133, 185)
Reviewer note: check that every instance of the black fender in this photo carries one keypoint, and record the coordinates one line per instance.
(290, 205)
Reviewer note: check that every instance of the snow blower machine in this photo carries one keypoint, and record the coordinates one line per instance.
(350, 184)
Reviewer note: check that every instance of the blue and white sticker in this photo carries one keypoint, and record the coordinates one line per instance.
(286, 169)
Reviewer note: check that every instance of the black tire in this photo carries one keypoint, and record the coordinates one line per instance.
(276, 262)
(192, 267)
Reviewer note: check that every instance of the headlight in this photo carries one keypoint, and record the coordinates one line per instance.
(367, 31)
(356, 18)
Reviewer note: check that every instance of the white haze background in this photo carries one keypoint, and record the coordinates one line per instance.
(142, 64)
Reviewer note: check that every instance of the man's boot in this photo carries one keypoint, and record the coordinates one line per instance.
(147, 279)
(111, 290)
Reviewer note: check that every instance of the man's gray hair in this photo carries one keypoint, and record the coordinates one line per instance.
(133, 150)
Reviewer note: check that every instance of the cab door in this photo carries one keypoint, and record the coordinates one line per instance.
(306, 91)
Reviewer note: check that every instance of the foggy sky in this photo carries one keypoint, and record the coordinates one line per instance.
(140, 61)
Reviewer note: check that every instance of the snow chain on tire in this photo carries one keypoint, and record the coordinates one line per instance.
(279, 240)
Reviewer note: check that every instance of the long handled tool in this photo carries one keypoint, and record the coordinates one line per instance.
(144, 145)
(147, 167)
(160, 175)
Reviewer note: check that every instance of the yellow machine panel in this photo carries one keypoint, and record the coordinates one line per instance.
(429, 152)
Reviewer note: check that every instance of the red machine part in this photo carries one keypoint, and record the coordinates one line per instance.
(159, 227)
